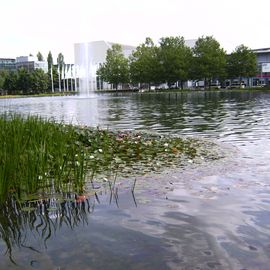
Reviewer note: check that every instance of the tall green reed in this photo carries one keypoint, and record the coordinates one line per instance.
(36, 153)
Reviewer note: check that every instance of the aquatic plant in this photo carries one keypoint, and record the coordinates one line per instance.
(37, 154)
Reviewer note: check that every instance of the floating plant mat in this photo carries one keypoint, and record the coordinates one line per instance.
(38, 155)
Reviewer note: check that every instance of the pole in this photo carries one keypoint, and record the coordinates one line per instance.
(75, 73)
(52, 78)
(72, 77)
(64, 78)
(59, 78)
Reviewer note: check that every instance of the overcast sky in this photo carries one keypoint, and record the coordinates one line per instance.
(29, 26)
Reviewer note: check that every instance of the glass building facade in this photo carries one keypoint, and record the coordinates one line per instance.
(7, 64)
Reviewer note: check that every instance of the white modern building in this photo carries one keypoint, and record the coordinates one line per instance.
(263, 64)
(88, 58)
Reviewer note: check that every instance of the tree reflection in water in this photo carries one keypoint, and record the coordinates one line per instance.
(41, 218)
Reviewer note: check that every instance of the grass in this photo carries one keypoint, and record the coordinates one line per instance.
(66, 93)
(38, 155)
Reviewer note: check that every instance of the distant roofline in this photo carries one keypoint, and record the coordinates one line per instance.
(105, 41)
(261, 50)
(3, 58)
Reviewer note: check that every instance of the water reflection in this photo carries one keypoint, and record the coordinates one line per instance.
(208, 114)
(40, 219)
(43, 217)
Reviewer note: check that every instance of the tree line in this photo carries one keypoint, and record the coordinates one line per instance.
(171, 61)
(24, 81)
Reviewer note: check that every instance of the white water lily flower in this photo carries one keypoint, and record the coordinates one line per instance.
(190, 161)
(166, 144)
(40, 177)
(77, 163)
(91, 157)
(100, 150)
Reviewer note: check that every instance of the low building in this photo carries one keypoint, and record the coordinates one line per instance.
(7, 64)
(263, 63)
(31, 63)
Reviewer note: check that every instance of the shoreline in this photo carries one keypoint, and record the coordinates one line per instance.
(146, 91)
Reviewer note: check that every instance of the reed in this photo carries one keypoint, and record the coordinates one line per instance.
(36, 153)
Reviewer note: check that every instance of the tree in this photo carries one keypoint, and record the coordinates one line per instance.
(49, 61)
(24, 81)
(116, 69)
(39, 81)
(55, 77)
(145, 65)
(241, 63)
(50, 66)
(3, 76)
(10, 83)
(175, 58)
(60, 61)
(209, 59)
(40, 56)
(61, 64)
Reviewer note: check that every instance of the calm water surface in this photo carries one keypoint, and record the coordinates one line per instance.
(213, 217)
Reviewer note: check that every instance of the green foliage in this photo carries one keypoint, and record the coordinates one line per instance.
(49, 61)
(40, 56)
(3, 76)
(60, 62)
(116, 69)
(145, 66)
(241, 63)
(34, 153)
(55, 77)
(10, 83)
(209, 59)
(24, 82)
(39, 81)
(175, 58)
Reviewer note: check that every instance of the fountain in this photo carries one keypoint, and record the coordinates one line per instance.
(88, 58)
(85, 60)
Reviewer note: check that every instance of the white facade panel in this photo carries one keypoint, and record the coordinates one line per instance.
(265, 67)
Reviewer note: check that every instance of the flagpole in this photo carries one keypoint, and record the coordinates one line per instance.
(75, 73)
(67, 76)
(59, 79)
(64, 77)
(52, 78)
(72, 77)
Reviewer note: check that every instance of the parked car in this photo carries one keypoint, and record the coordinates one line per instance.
(215, 85)
(237, 86)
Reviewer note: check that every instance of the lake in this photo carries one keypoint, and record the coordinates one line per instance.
(213, 216)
